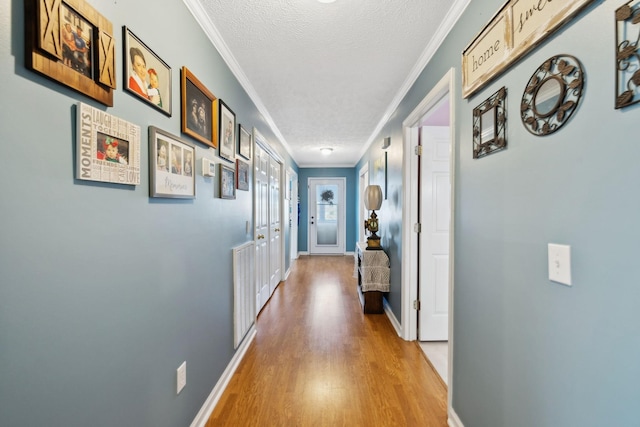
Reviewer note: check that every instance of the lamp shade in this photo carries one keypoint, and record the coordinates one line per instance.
(373, 197)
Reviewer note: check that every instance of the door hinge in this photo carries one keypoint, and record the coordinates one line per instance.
(418, 150)
(416, 305)
(417, 227)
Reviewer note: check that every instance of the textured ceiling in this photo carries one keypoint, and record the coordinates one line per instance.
(326, 74)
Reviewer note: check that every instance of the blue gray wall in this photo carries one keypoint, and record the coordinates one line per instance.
(527, 351)
(351, 196)
(104, 292)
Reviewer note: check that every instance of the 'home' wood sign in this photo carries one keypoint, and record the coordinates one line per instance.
(518, 27)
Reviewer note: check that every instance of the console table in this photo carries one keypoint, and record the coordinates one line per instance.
(372, 270)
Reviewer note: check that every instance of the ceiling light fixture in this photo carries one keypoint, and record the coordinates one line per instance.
(326, 1)
(326, 151)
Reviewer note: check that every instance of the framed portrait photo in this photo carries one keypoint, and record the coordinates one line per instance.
(146, 76)
(227, 131)
(242, 175)
(199, 110)
(69, 42)
(244, 143)
(107, 147)
(171, 165)
(227, 182)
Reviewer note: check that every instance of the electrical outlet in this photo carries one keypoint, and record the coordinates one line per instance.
(182, 377)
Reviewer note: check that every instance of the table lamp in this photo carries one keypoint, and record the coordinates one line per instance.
(372, 201)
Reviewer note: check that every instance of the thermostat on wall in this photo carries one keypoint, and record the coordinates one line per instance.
(208, 167)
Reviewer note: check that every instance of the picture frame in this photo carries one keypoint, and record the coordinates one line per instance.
(199, 114)
(171, 166)
(242, 175)
(244, 142)
(146, 76)
(107, 147)
(489, 125)
(627, 54)
(227, 131)
(227, 182)
(81, 58)
(379, 175)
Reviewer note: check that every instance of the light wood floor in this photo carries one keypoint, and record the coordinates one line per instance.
(318, 360)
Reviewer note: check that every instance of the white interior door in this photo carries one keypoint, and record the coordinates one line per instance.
(261, 176)
(293, 215)
(327, 215)
(435, 201)
(275, 227)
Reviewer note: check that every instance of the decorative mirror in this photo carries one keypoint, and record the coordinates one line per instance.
(627, 56)
(552, 95)
(489, 123)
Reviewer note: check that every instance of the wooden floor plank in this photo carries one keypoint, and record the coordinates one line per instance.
(317, 360)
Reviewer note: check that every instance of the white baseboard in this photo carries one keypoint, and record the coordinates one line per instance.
(454, 420)
(209, 405)
(392, 318)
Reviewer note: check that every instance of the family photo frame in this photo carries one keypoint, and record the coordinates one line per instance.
(199, 114)
(146, 76)
(242, 175)
(244, 142)
(71, 43)
(107, 147)
(227, 131)
(171, 165)
(227, 182)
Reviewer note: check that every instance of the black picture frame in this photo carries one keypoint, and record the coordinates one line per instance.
(244, 143)
(226, 131)
(156, 74)
(227, 182)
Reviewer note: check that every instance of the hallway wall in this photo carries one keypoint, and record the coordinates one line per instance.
(527, 351)
(104, 291)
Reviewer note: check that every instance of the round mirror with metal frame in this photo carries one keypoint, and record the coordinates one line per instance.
(552, 95)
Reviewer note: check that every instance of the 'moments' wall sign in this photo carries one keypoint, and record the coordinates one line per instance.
(516, 29)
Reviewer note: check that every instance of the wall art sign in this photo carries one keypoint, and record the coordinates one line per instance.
(171, 165)
(518, 27)
(628, 54)
(107, 147)
(71, 43)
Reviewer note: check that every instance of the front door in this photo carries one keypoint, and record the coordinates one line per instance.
(327, 215)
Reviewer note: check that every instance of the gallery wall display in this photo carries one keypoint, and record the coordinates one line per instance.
(171, 165)
(627, 54)
(227, 182)
(107, 147)
(227, 131)
(517, 28)
(489, 125)
(552, 95)
(146, 76)
(199, 110)
(71, 43)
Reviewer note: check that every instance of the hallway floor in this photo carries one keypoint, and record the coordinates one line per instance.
(317, 360)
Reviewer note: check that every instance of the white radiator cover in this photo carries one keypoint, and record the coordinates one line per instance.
(244, 294)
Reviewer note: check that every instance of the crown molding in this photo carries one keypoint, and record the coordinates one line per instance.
(201, 17)
(441, 33)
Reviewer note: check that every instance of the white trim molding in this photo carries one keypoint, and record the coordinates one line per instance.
(209, 405)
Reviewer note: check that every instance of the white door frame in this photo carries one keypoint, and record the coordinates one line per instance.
(409, 318)
(342, 220)
(293, 244)
(363, 181)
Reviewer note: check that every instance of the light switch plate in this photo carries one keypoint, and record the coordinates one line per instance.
(560, 263)
(181, 377)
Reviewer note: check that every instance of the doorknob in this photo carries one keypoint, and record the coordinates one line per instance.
(277, 229)
(260, 236)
